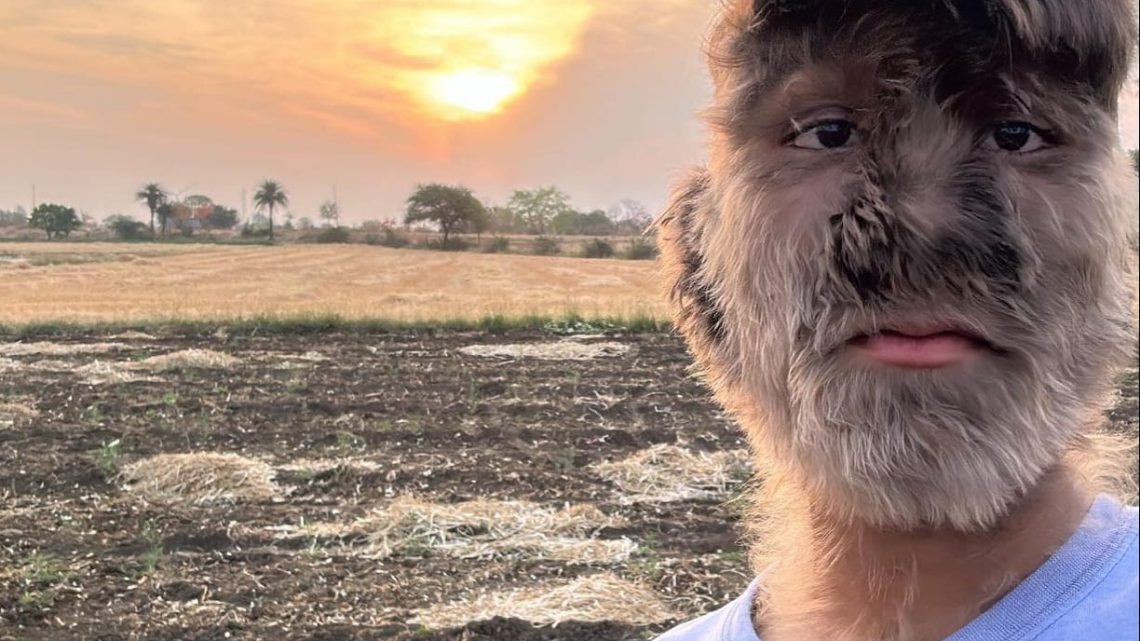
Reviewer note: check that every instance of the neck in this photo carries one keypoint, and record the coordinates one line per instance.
(848, 581)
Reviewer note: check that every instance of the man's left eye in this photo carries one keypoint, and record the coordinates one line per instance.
(1017, 137)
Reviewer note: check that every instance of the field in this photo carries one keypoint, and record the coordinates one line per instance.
(346, 511)
(103, 282)
(200, 482)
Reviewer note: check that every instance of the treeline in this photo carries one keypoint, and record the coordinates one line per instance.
(447, 209)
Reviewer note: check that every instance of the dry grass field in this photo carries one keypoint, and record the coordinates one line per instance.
(101, 282)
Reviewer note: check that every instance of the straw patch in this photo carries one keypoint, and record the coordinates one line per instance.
(12, 411)
(59, 349)
(108, 373)
(560, 351)
(185, 359)
(483, 529)
(601, 597)
(322, 465)
(135, 336)
(200, 478)
(667, 473)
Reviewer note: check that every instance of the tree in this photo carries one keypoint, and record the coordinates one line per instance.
(18, 217)
(330, 213)
(566, 223)
(270, 195)
(630, 216)
(536, 208)
(501, 220)
(125, 227)
(1135, 153)
(452, 207)
(165, 211)
(154, 196)
(597, 223)
(54, 219)
(223, 218)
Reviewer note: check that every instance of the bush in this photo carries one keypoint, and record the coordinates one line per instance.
(449, 245)
(498, 245)
(249, 231)
(641, 249)
(546, 246)
(392, 239)
(598, 248)
(333, 235)
(127, 228)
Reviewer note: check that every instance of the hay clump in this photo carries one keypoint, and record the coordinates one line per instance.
(189, 358)
(12, 411)
(134, 335)
(600, 597)
(485, 529)
(204, 477)
(412, 520)
(557, 351)
(59, 349)
(106, 372)
(667, 473)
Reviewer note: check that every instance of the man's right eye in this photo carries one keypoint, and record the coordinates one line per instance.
(829, 134)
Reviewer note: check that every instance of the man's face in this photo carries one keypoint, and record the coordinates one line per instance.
(906, 266)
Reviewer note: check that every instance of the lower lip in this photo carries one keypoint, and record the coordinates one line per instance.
(918, 352)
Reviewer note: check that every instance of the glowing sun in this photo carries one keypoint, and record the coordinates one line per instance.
(476, 91)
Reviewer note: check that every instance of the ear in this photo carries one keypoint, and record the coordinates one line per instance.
(696, 310)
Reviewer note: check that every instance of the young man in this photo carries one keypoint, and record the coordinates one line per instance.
(907, 272)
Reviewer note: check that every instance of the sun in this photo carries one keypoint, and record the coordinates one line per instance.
(475, 91)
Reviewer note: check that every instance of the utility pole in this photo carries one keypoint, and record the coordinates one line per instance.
(33, 196)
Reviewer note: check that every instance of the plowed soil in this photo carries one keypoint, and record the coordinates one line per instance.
(348, 421)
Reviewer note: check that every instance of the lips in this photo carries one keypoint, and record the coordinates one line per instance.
(930, 346)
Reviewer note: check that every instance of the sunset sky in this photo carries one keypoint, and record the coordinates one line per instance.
(596, 97)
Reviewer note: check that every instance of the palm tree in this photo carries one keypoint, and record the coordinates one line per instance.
(154, 196)
(269, 195)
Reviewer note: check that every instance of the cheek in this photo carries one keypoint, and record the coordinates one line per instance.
(774, 225)
(1070, 221)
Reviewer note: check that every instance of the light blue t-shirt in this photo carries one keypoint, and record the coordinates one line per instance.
(1086, 591)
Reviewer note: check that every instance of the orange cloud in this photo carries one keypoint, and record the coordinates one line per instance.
(400, 61)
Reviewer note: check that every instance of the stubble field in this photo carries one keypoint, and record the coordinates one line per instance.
(571, 482)
(115, 282)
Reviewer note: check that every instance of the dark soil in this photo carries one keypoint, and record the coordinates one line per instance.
(81, 558)
(431, 420)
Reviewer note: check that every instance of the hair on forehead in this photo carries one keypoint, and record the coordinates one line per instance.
(1087, 43)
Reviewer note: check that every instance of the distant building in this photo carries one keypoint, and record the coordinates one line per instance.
(193, 213)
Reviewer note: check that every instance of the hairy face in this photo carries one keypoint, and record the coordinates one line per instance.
(905, 266)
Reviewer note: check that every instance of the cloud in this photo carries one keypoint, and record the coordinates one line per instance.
(355, 67)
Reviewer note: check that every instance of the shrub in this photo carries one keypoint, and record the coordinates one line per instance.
(546, 246)
(447, 245)
(249, 231)
(598, 248)
(332, 235)
(498, 245)
(127, 228)
(393, 239)
(641, 249)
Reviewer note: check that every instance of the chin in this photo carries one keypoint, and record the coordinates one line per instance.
(933, 447)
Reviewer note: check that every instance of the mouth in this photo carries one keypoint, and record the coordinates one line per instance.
(921, 347)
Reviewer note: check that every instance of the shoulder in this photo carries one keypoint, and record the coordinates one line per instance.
(1109, 610)
(733, 622)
